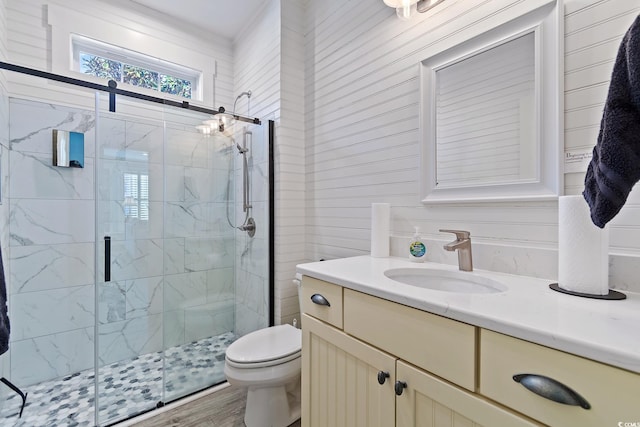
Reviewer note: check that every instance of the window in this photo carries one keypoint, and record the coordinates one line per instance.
(124, 66)
(136, 196)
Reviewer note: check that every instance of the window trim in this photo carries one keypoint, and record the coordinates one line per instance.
(99, 24)
(81, 44)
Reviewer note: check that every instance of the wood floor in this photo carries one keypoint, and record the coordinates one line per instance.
(223, 408)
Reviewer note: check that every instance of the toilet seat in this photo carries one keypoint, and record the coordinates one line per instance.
(266, 347)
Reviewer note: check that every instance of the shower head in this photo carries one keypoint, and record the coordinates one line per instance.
(247, 94)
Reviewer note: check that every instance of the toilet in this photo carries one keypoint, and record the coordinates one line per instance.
(268, 363)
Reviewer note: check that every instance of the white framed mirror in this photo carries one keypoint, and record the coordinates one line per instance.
(491, 114)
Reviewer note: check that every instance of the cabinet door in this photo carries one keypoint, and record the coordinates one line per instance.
(430, 402)
(340, 380)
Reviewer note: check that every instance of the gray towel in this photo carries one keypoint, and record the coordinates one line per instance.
(615, 166)
(4, 317)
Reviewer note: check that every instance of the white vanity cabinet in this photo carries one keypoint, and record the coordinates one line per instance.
(387, 364)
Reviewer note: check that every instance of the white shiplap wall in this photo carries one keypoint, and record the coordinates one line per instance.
(290, 166)
(269, 61)
(29, 44)
(257, 69)
(593, 30)
(362, 130)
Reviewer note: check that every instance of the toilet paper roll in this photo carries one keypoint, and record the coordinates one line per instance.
(380, 229)
(583, 249)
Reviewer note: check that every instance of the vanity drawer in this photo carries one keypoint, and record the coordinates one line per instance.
(611, 393)
(322, 300)
(442, 346)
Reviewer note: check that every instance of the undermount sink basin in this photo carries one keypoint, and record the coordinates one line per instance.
(444, 280)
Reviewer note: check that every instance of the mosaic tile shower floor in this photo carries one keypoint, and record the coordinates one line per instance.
(127, 388)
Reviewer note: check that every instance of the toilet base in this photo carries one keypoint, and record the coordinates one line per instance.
(277, 406)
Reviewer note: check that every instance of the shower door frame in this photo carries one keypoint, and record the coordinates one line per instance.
(112, 89)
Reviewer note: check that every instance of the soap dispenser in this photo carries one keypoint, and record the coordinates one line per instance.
(417, 248)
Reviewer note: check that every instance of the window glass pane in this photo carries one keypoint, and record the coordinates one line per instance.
(136, 196)
(100, 67)
(130, 195)
(112, 62)
(139, 76)
(144, 197)
(175, 86)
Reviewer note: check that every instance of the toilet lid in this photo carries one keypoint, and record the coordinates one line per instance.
(266, 344)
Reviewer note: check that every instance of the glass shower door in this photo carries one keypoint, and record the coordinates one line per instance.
(199, 302)
(129, 262)
(216, 284)
(178, 280)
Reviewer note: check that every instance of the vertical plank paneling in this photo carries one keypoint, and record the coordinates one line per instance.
(316, 372)
(347, 392)
(323, 387)
(352, 391)
(341, 391)
(332, 384)
(361, 407)
(443, 416)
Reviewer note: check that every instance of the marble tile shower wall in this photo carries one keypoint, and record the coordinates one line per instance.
(252, 254)
(171, 275)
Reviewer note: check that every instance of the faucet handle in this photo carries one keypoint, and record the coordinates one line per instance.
(460, 234)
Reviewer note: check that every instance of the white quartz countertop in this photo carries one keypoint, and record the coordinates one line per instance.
(606, 331)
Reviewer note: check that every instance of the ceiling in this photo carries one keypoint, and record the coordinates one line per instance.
(224, 17)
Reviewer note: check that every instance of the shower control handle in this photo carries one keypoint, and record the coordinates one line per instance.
(320, 300)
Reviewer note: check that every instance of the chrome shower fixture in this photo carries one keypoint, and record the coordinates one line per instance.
(224, 120)
(248, 95)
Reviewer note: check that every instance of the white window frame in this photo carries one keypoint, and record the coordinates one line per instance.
(66, 22)
(126, 56)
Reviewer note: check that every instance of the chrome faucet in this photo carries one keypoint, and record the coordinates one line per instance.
(462, 244)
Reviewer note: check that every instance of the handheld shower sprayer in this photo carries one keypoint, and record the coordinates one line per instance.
(248, 224)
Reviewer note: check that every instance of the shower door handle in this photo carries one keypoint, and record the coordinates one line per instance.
(107, 258)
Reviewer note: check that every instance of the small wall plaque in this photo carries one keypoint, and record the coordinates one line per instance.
(68, 149)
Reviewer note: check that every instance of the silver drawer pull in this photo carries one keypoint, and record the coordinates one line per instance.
(320, 300)
(551, 389)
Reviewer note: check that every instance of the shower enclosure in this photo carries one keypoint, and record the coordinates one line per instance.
(128, 278)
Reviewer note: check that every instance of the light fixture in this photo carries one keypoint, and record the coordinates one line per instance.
(222, 120)
(405, 9)
(217, 123)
